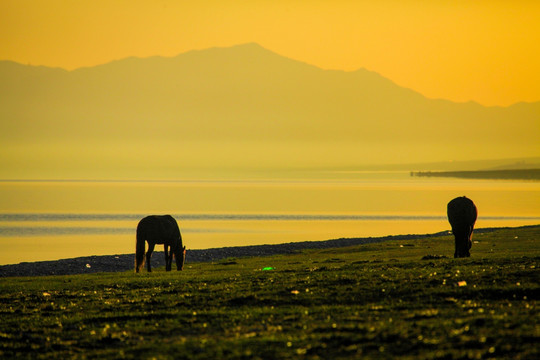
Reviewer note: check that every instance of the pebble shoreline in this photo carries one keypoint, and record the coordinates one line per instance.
(124, 262)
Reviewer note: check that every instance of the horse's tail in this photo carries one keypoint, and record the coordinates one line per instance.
(139, 251)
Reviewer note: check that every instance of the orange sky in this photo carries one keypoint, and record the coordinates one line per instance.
(481, 50)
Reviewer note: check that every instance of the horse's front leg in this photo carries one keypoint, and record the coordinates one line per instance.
(149, 255)
(471, 229)
(168, 257)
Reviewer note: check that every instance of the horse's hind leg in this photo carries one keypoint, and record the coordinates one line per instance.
(168, 258)
(149, 255)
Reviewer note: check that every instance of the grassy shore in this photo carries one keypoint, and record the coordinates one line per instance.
(396, 299)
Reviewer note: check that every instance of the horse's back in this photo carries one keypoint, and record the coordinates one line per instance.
(462, 211)
(170, 220)
(158, 228)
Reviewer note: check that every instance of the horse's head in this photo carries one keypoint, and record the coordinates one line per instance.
(462, 244)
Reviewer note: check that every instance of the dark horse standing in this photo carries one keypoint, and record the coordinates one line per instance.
(462, 215)
(159, 229)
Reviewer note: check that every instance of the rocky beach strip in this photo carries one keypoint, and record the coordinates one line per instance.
(124, 262)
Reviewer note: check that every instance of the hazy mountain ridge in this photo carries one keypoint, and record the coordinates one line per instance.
(249, 95)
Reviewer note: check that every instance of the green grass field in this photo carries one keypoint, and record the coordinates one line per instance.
(370, 301)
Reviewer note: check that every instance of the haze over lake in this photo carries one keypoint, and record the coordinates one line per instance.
(236, 108)
(47, 220)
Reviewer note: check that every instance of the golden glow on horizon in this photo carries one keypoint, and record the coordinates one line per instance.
(486, 51)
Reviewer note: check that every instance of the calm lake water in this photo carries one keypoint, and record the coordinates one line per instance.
(48, 220)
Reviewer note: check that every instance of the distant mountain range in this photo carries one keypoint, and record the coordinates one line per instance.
(246, 106)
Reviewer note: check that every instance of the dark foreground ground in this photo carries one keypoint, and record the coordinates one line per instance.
(124, 262)
(401, 298)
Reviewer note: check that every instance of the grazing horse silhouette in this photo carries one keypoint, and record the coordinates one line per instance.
(159, 229)
(462, 215)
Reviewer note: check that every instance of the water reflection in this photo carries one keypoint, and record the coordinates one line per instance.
(66, 219)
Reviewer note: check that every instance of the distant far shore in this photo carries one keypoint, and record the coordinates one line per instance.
(521, 174)
(125, 262)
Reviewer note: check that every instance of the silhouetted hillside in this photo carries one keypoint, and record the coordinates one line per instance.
(248, 106)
